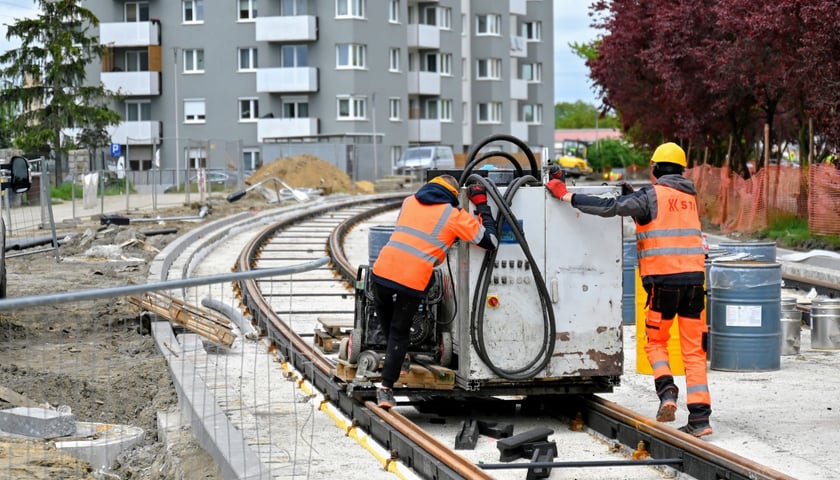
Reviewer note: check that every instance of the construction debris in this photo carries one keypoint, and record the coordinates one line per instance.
(206, 323)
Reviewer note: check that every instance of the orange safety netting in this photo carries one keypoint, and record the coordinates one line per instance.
(747, 206)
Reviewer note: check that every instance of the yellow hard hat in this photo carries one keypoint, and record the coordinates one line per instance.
(669, 153)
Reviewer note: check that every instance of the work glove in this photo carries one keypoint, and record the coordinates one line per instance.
(557, 188)
(477, 194)
(626, 188)
(556, 173)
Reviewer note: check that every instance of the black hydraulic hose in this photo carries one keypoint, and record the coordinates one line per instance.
(471, 155)
(506, 155)
(505, 215)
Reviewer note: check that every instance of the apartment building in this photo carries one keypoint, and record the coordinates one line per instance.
(230, 84)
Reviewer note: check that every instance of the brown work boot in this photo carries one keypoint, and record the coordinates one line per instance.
(697, 429)
(667, 409)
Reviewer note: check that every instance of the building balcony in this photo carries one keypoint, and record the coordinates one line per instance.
(518, 89)
(132, 83)
(301, 28)
(519, 130)
(518, 7)
(287, 80)
(423, 130)
(423, 36)
(286, 128)
(129, 34)
(423, 83)
(136, 133)
(518, 46)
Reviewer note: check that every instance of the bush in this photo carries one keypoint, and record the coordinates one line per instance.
(70, 190)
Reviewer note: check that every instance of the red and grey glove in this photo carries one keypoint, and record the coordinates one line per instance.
(556, 173)
(477, 194)
(557, 188)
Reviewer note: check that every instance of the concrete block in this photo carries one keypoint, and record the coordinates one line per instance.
(105, 443)
(37, 422)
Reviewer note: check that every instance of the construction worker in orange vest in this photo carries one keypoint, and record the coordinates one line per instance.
(428, 224)
(669, 244)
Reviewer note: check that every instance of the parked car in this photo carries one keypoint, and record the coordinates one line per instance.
(216, 181)
(420, 158)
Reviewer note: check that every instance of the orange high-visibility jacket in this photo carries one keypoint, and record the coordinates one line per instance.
(672, 242)
(420, 240)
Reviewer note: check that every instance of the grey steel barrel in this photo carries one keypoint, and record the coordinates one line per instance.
(628, 280)
(377, 238)
(791, 323)
(761, 251)
(745, 303)
(825, 324)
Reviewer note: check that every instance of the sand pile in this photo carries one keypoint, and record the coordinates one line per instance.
(306, 171)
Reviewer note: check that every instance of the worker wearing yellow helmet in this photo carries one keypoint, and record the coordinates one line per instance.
(669, 244)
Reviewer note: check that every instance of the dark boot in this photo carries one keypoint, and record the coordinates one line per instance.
(668, 394)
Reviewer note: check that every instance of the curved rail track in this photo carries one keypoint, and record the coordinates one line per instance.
(288, 311)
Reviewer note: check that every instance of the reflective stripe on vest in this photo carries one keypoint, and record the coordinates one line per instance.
(672, 242)
(420, 240)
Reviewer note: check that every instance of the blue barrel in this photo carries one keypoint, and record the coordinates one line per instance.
(377, 238)
(628, 281)
(745, 303)
(761, 251)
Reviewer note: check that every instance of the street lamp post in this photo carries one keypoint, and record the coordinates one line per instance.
(177, 141)
(375, 157)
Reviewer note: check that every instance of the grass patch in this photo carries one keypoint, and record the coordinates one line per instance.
(793, 232)
(70, 190)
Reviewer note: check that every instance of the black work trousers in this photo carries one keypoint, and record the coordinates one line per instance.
(395, 311)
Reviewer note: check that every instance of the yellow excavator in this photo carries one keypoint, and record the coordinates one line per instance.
(572, 159)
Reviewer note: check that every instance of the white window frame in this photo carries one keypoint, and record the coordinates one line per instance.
(489, 24)
(251, 158)
(488, 113)
(395, 109)
(140, 10)
(293, 8)
(432, 110)
(296, 49)
(394, 60)
(532, 31)
(350, 9)
(249, 109)
(196, 7)
(355, 107)
(432, 60)
(136, 60)
(295, 104)
(356, 56)
(137, 107)
(194, 110)
(534, 111)
(492, 69)
(251, 59)
(445, 108)
(246, 10)
(536, 72)
(394, 11)
(192, 58)
(444, 15)
(445, 64)
(396, 153)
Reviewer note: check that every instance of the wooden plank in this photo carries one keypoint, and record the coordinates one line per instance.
(418, 377)
(206, 323)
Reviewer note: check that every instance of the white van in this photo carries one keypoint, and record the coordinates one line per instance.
(420, 158)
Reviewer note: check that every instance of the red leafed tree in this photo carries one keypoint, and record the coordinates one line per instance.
(820, 54)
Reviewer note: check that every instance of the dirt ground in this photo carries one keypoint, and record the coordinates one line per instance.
(95, 357)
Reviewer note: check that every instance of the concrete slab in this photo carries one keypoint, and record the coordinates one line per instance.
(37, 422)
(103, 443)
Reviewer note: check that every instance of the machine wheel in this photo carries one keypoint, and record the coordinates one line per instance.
(444, 351)
(342, 348)
(354, 346)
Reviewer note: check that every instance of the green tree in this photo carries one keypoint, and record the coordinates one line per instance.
(581, 115)
(611, 153)
(47, 76)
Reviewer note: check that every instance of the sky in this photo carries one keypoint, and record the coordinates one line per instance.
(571, 24)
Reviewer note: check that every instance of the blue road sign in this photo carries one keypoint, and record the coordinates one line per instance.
(116, 148)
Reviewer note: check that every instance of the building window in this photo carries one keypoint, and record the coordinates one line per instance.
(295, 108)
(291, 8)
(432, 110)
(532, 113)
(532, 31)
(248, 59)
(138, 111)
(489, 69)
(194, 110)
(396, 153)
(249, 109)
(488, 24)
(137, 11)
(445, 110)
(394, 109)
(446, 64)
(428, 16)
(394, 11)
(464, 108)
(137, 61)
(350, 8)
(292, 56)
(489, 112)
(445, 18)
(194, 61)
(350, 56)
(431, 63)
(532, 72)
(193, 11)
(247, 9)
(251, 158)
(394, 60)
(352, 108)
(197, 157)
